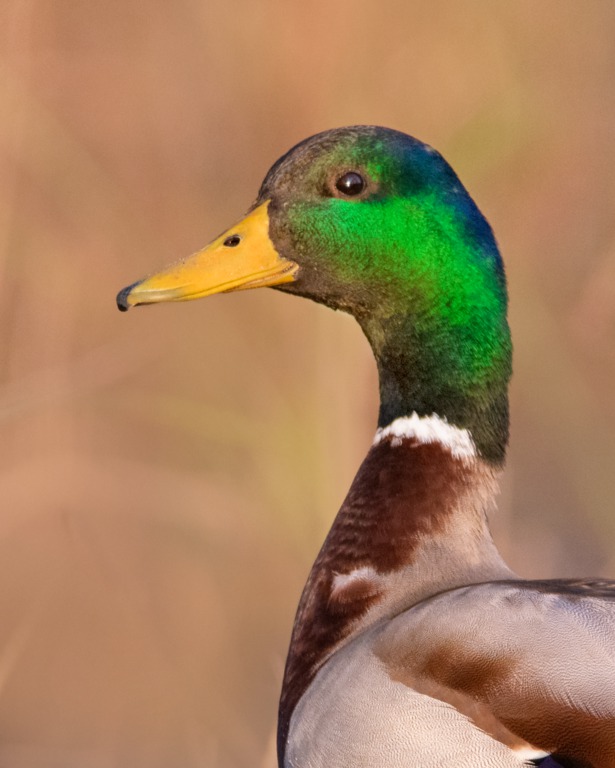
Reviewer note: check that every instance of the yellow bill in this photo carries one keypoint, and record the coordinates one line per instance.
(243, 257)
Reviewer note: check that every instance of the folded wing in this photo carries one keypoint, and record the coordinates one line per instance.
(528, 662)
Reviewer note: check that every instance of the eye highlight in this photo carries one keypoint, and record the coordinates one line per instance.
(350, 184)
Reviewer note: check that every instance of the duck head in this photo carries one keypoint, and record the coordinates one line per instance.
(375, 223)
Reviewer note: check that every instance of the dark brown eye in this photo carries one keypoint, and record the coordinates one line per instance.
(350, 184)
(232, 241)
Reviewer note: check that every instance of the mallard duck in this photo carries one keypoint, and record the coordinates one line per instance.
(414, 644)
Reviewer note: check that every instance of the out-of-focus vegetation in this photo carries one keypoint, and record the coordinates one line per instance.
(167, 477)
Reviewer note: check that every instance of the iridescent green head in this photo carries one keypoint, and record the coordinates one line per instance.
(375, 223)
(381, 227)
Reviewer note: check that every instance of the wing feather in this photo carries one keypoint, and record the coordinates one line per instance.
(537, 658)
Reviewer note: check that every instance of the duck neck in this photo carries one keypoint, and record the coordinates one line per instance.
(413, 524)
(431, 364)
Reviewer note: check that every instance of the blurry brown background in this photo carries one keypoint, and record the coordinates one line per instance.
(167, 476)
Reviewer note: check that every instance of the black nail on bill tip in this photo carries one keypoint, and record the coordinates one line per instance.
(122, 297)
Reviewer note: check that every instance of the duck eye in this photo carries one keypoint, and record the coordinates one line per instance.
(232, 241)
(350, 184)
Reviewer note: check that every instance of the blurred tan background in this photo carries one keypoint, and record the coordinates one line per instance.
(167, 476)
